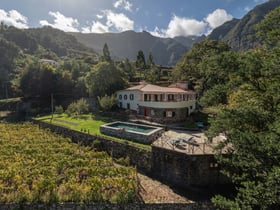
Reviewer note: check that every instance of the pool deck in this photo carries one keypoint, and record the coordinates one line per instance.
(146, 138)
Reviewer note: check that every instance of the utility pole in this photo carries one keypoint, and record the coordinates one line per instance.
(52, 105)
(6, 89)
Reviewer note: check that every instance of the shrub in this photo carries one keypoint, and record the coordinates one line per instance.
(107, 102)
(82, 106)
(58, 109)
(77, 108)
(72, 109)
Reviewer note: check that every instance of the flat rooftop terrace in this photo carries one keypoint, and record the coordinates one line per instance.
(189, 142)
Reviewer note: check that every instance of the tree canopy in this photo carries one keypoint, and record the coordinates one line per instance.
(250, 119)
(104, 79)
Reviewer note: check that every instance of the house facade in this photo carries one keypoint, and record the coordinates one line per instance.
(156, 103)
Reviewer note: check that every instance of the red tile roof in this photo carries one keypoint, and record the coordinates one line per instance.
(156, 88)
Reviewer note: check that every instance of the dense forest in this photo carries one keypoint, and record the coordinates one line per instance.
(240, 90)
(36, 63)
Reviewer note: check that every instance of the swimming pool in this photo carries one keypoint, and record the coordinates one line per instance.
(132, 131)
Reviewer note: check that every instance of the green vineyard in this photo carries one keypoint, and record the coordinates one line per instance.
(39, 166)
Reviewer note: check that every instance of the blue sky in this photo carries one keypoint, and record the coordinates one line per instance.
(164, 18)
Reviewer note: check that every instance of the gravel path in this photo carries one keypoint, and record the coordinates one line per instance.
(152, 191)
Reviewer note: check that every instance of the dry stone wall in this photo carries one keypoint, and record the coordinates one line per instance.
(186, 170)
(172, 167)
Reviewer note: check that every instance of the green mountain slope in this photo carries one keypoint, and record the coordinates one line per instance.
(240, 34)
(123, 45)
(57, 41)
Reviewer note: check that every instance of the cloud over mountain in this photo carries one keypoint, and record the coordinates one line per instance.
(217, 18)
(182, 26)
(13, 17)
(62, 22)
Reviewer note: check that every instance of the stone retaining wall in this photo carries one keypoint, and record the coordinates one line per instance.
(186, 170)
(94, 206)
(172, 167)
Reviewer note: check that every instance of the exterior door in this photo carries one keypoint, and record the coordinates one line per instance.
(145, 112)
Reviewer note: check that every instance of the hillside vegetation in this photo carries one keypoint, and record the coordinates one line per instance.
(240, 34)
(124, 45)
(241, 92)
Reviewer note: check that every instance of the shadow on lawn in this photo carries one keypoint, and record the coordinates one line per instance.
(110, 116)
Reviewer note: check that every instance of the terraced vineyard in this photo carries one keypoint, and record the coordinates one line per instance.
(39, 166)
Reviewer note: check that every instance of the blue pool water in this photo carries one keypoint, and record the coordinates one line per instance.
(133, 127)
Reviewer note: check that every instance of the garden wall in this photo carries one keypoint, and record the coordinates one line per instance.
(172, 167)
(185, 170)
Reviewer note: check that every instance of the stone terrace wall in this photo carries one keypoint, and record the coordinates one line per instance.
(138, 157)
(172, 167)
(185, 170)
(77, 206)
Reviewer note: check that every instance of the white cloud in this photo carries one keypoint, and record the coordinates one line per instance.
(247, 9)
(217, 18)
(125, 4)
(113, 22)
(180, 26)
(13, 18)
(119, 21)
(183, 26)
(61, 22)
(96, 27)
(99, 16)
(158, 32)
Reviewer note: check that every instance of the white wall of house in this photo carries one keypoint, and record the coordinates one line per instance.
(132, 99)
(167, 105)
(129, 99)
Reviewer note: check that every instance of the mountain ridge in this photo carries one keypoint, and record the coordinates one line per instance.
(240, 33)
(165, 51)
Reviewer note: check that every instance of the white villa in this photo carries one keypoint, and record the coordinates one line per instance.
(173, 103)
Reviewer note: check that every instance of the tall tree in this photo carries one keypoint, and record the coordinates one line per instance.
(150, 60)
(9, 52)
(127, 69)
(106, 53)
(38, 80)
(140, 62)
(188, 67)
(104, 79)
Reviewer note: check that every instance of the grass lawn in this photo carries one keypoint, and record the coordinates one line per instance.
(10, 100)
(86, 123)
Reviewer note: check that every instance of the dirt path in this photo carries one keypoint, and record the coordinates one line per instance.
(152, 191)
